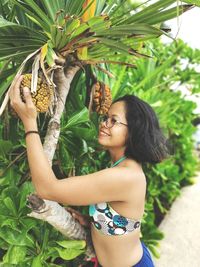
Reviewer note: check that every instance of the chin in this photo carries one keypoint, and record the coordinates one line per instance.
(101, 142)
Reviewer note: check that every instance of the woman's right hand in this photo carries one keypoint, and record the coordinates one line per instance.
(84, 220)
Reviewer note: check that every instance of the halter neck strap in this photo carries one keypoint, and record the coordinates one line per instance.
(120, 160)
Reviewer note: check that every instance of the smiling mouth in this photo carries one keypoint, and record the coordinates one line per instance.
(103, 133)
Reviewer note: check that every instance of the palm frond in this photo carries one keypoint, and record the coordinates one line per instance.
(16, 40)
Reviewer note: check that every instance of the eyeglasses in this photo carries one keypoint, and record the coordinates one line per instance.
(110, 122)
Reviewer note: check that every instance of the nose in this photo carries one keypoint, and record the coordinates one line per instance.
(103, 124)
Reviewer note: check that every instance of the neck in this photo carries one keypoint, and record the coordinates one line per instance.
(118, 161)
(116, 155)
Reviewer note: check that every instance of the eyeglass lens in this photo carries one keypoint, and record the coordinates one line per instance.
(109, 121)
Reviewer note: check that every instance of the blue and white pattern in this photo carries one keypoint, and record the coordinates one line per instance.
(109, 222)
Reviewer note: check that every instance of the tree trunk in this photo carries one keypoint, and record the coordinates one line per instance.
(63, 81)
(51, 211)
(58, 217)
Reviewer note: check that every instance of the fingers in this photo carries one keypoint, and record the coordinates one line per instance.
(27, 96)
(15, 90)
(68, 209)
(76, 214)
(72, 211)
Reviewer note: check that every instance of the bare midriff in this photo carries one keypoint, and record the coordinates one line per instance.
(119, 250)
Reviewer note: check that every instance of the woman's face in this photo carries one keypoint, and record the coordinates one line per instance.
(115, 136)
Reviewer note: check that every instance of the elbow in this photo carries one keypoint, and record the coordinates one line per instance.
(43, 193)
(46, 191)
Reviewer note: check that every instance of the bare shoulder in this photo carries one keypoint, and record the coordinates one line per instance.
(135, 170)
(134, 191)
(130, 173)
(131, 177)
(111, 184)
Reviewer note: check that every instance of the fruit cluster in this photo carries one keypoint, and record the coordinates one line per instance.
(43, 95)
(102, 98)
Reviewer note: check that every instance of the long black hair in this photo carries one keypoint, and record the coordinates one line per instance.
(146, 142)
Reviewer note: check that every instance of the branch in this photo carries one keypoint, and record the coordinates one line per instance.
(51, 211)
(63, 81)
(58, 217)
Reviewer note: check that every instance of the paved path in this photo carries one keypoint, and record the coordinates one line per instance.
(181, 226)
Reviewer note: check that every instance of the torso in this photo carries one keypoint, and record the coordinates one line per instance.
(117, 251)
(123, 250)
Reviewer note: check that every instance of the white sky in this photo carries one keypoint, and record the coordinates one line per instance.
(186, 27)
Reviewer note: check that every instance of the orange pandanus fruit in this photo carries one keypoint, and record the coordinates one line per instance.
(102, 98)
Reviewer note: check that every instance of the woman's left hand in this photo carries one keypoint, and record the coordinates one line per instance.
(26, 111)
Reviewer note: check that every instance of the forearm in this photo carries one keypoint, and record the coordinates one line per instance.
(42, 175)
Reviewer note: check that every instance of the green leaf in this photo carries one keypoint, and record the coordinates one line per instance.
(12, 42)
(97, 20)
(84, 132)
(37, 261)
(28, 223)
(130, 29)
(26, 189)
(151, 10)
(34, 20)
(15, 255)
(69, 254)
(5, 74)
(116, 46)
(10, 222)
(37, 10)
(5, 148)
(158, 70)
(167, 14)
(10, 205)
(17, 238)
(73, 244)
(52, 7)
(161, 207)
(154, 251)
(17, 55)
(11, 177)
(72, 26)
(83, 27)
(78, 118)
(13, 50)
(9, 29)
(74, 7)
(193, 2)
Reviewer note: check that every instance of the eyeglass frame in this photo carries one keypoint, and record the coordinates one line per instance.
(106, 121)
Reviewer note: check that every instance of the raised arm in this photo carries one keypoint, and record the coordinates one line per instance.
(112, 184)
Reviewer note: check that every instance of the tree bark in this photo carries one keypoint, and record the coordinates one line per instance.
(58, 217)
(51, 211)
(63, 81)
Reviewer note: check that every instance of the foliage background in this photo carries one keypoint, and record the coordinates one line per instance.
(27, 242)
(78, 153)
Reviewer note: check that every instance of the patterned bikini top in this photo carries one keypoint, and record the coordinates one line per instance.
(108, 221)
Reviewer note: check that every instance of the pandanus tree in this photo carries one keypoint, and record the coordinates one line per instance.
(52, 41)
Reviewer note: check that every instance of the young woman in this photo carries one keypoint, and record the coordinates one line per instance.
(116, 195)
